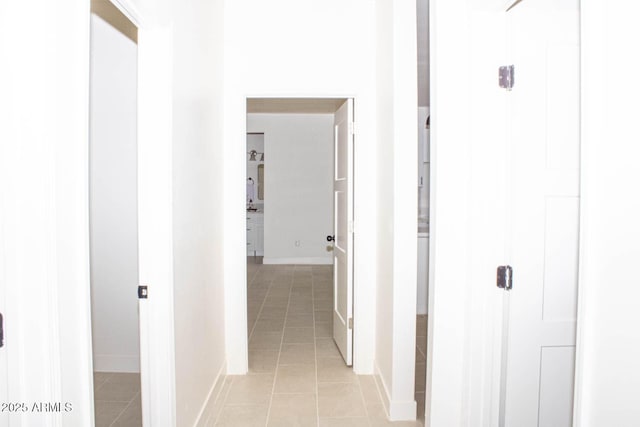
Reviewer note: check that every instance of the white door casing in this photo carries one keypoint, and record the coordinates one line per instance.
(543, 225)
(343, 231)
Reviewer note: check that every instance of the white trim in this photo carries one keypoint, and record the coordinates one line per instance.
(155, 223)
(592, 98)
(394, 409)
(208, 408)
(403, 410)
(298, 261)
(382, 390)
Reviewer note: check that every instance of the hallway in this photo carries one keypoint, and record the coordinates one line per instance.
(296, 374)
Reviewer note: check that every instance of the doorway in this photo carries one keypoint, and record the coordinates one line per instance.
(113, 217)
(424, 181)
(292, 166)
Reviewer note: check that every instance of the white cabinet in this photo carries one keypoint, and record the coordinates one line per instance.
(423, 273)
(255, 234)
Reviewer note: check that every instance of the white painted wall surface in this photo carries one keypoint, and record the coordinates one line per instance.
(298, 205)
(44, 255)
(197, 206)
(607, 373)
(113, 200)
(384, 191)
(397, 206)
(304, 49)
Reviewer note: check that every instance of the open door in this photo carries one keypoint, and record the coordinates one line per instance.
(544, 161)
(343, 231)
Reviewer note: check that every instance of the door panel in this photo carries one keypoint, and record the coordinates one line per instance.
(544, 146)
(343, 235)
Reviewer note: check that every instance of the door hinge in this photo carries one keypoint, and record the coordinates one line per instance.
(506, 76)
(505, 277)
(142, 292)
(351, 323)
(1, 331)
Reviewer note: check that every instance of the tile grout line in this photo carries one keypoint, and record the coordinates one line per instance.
(275, 376)
(224, 399)
(264, 300)
(364, 402)
(125, 409)
(225, 395)
(315, 347)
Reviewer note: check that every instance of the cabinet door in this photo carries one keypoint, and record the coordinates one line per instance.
(260, 239)
(251, 237)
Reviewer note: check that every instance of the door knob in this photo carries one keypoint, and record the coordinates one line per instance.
(331, 239)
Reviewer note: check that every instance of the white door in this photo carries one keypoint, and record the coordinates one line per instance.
(544, 144)
(343, 231)
(4, 385)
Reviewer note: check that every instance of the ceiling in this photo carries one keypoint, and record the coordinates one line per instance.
(294, 105)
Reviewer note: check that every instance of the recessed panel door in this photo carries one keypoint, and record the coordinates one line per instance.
(343, 231)
(544, 160)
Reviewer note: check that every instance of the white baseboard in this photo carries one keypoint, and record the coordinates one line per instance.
(116, 363)
(403, 411)
(395, 410)
(207, 410)
(382, 390)
(298, 261)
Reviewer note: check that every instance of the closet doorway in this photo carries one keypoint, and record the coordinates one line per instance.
(113, 210)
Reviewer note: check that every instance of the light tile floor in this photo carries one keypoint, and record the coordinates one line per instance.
(296, 374)
(421, 360)
(117, 399)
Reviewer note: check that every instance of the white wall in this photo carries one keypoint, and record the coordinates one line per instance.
(298, 205)
(397, 144)
(303, 49)
(113, 200)
(44, 258)
(197, 199)
(607, 373)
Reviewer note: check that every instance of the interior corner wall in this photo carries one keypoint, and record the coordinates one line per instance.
(608, 345)
(333, 46)
(113, 200)
(384, 190)
(397, 205)
(298, 204)
(198, 225)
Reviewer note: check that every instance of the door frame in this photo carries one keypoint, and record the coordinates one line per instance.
(155, 220)
(61, 227)
(154, 175)
(236, 300)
